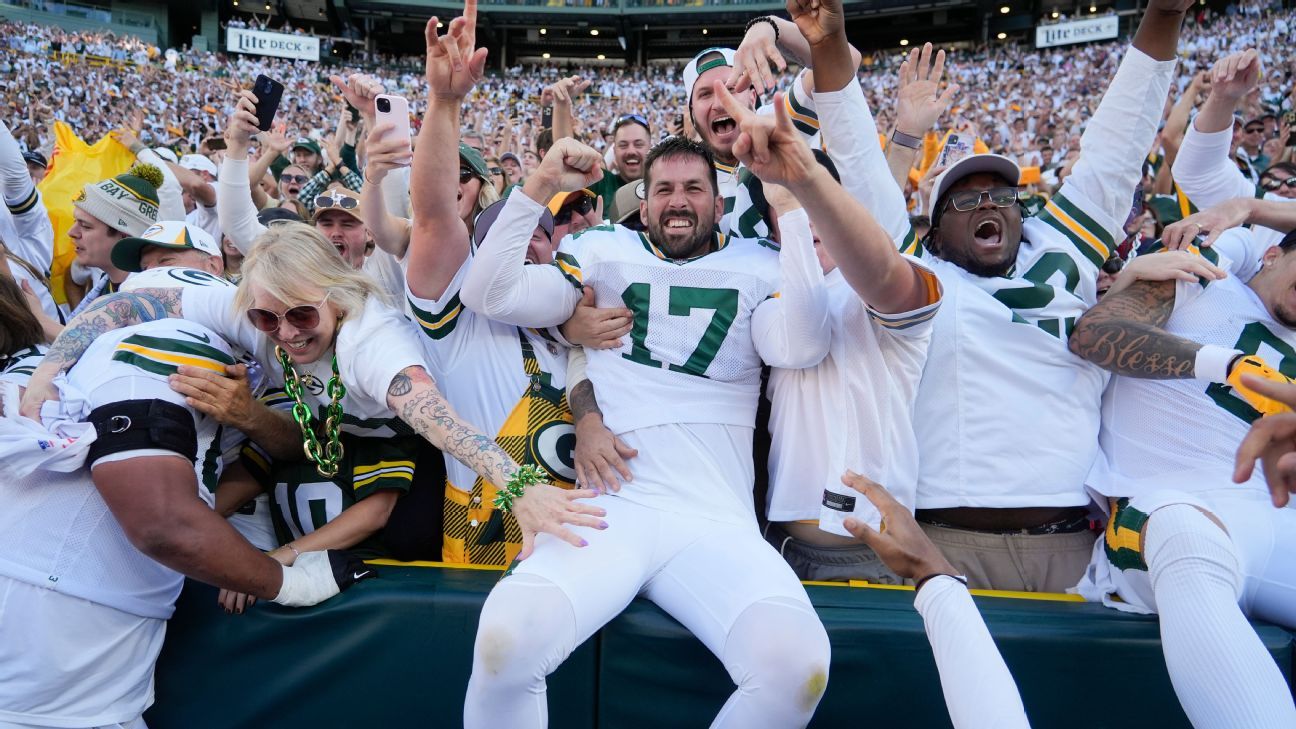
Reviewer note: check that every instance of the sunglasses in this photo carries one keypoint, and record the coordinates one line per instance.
(1273, 183)
(1253, 130)
(465, 175)
(630, 119)
(300, 317)
(497, 170)
(298, 179)
(337, 200)
(582, 206)
(966, 200)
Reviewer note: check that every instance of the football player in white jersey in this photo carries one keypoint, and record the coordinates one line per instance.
(507, 380)
(102, 522)
(855, 409)
(1006, 417)
(302, 311)
(1183, 540)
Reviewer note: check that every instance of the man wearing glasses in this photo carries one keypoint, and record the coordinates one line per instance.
(1006, 417)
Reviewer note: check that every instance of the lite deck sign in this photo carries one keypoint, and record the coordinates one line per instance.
(1077, 31)
(281, 45)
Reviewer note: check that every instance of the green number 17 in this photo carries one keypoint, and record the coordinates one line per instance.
(682, 300)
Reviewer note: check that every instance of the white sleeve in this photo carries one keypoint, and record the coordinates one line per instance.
(234, 206)
(15, 181)
(576, 364)
(395, 192)
(851, 139)
(1116, 142)
(1204, 172)
(791, 329)
(170, 196)
(380, 345)
(213, 307)
(501, 286)
(916, 324)
(979, 690)
(35, 243)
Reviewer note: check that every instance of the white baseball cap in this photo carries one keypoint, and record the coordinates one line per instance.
(710, 58)
(971, 165)
(199, 163)
(168, 234)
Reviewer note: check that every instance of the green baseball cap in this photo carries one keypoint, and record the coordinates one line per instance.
(307, 144)
(475, 162)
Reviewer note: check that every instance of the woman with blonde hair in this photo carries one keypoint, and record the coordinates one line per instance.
(354, 370)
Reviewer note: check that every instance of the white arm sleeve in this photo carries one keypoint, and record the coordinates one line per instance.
(500, 285)
(14, 178)
(1204, 171)
(234, 207)
(576, 362)
(1117, 139)
(979, 690)
(851, 139)
(170, 196)
(792, 329)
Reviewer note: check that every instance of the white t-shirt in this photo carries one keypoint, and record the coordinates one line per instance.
(371, 350)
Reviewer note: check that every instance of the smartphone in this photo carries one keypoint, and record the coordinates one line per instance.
(546, 117)
(395, 111)
(268, 93)
(215, 143)
(957, 146)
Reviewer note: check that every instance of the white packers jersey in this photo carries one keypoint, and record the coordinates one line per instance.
(1006, 415)
(690, 354)
(1183, 434)
(478, 365)
(56, 531)
(371, 350)
(683, 387)
(19, 366)
(853, 411)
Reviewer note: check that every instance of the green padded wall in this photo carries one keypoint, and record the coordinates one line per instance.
(396, 651)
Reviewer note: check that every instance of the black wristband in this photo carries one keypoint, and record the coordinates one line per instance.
(763, 19)
(919, 584)
(905, 140)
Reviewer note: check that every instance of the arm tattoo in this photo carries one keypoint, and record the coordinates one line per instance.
(423, 408)
(401, 384)
(582, 402)
(1123, 334)
(114, 311)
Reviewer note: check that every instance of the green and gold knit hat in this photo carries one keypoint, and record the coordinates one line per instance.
(127, 202)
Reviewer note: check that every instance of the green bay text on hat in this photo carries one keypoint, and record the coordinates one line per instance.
(127, 202)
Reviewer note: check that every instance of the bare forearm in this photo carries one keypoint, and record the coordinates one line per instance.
(1123, 334)
(582, 402)
(1216, 115)
(414, 396)
(1158, 33)
(1279, 215)
(434, 175)
(204, 546)
(834, 63)
(275, 432)
(108, 313)
(900, 160)
(390, 233)
(563, 123)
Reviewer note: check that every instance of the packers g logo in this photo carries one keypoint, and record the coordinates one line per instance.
(194, 277)
(554, 446)
(312, 384)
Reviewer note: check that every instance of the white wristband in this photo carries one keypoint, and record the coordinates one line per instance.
(1212, 363)
(308, 582)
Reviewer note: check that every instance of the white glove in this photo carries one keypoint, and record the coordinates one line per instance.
(316, 576)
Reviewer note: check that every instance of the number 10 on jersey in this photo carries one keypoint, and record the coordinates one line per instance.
(682, 300)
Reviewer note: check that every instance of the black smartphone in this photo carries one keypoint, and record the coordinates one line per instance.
(546, 117)
(268, 93)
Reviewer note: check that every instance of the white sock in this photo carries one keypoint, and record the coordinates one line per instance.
(1221, 672)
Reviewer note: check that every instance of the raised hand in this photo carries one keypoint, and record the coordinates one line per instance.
(769, 146)
(817, 19)
(567, 167)
(754, 59)
(359, 91)
(547, 508)
(1235, 75)
(275, 141)
(454, 63)
(242, 123)
(566, 90)
(919, 99)
(900, 542)
(386, 152)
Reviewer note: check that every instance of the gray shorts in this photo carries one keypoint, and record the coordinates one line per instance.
(815, 563)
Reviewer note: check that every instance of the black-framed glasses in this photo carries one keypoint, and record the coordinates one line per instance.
(624, 119)
(336, 200)
(465, 175)
(965, 200)
(497, 170)
(306, 316)
(298, 179)
(1273, 183)
(580, 206)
